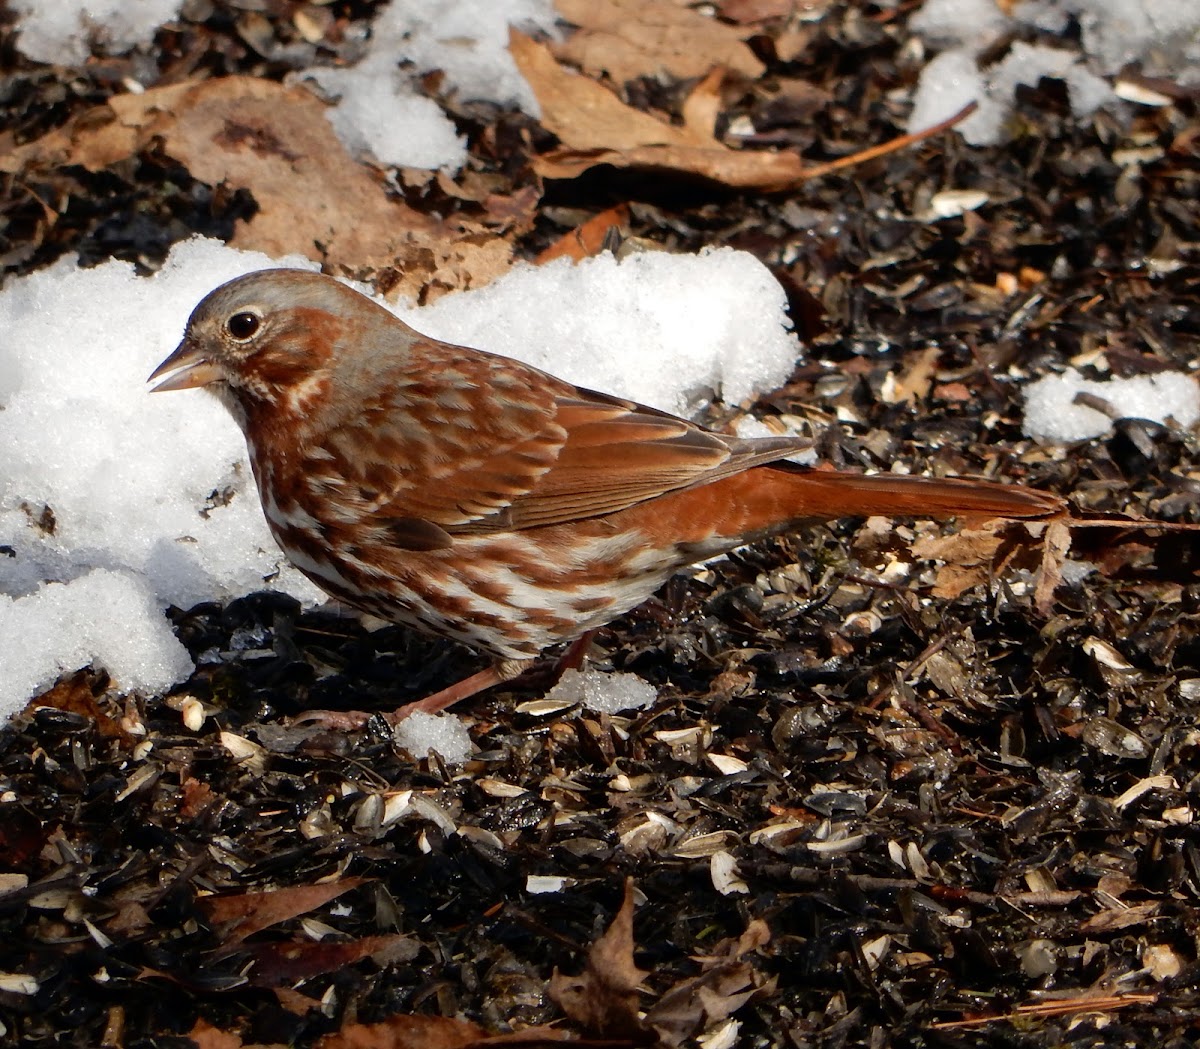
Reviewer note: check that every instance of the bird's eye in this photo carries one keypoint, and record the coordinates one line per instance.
(244, 325)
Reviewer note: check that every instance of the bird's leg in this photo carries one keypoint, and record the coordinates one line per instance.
(347, 720)
(496, 674)
(575, 655)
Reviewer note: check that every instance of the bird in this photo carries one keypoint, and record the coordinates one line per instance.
(477, 498)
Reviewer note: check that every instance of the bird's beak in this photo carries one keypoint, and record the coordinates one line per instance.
(191, 369)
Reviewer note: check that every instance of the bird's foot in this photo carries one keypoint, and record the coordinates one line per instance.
(338, 720)
(349, 720)
(496, 674)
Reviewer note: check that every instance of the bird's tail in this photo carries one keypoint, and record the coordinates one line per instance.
(898, 495)
(774, 497)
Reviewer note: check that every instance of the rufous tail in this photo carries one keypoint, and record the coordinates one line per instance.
(835, 493)
(769, 499)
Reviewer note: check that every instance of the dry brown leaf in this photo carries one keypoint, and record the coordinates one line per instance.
(251, 912)
(406, 1032)
(727, 983)
(513, 212)
(603, 999)
(747, 12)
(914, 383)
(76, 694)
(1112, 919)
(208, 1037)
(1055, 544)
(194, 797)
(438, 1032)
(634, 38)
(702, 107)
(587, 240)
(977, 553)
(295, 1001)
(582, 113)
(792, 43)
(968, 556)
(596, 127)
(280, 963)
(313, 198)
(93, 140)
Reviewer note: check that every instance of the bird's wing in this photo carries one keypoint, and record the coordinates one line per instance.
(482, 443)
(619, 453)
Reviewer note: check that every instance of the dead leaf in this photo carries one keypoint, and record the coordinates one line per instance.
(747, 12)
(279, 964)
(1112, 919)
(313, 198)
(194, 797)
(793, 43)
(208, 1037)
(596, 127)
(968, 557)
(702, 107)
(78, 694)
(251, 912)
(914, 383)
(603, 999)
(406, 1032)
(440, 1032)
(582, 113)
(295, 1001)
(587, 239)
(512, 213)
(130, 920)
(691, 1007)
(626, 39)
(1055, 544)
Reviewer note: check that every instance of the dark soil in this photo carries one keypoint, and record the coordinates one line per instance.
(946, 811)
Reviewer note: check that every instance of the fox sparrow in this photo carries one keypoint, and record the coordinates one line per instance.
(477, 498)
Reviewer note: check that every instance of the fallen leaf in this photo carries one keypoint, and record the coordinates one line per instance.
(1112, 919)
(588, 239)
(603, 999)
(648, 38)
(914, 383)
(968, 556)
(295, 1001)
(1055, 544)
(442, 1032)
(596, 127)
(512, 212)
(77, 694)
(279, 964)
(582, 113)
(314, 199)
(750, 11)
(702, 107)
(208, 1037)
(727, 983)
(194, 797)
(405, 1032)
(251, 912)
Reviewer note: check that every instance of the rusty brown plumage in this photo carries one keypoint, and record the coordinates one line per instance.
(477, 498)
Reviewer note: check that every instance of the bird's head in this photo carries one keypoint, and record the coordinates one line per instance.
(270, 342)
